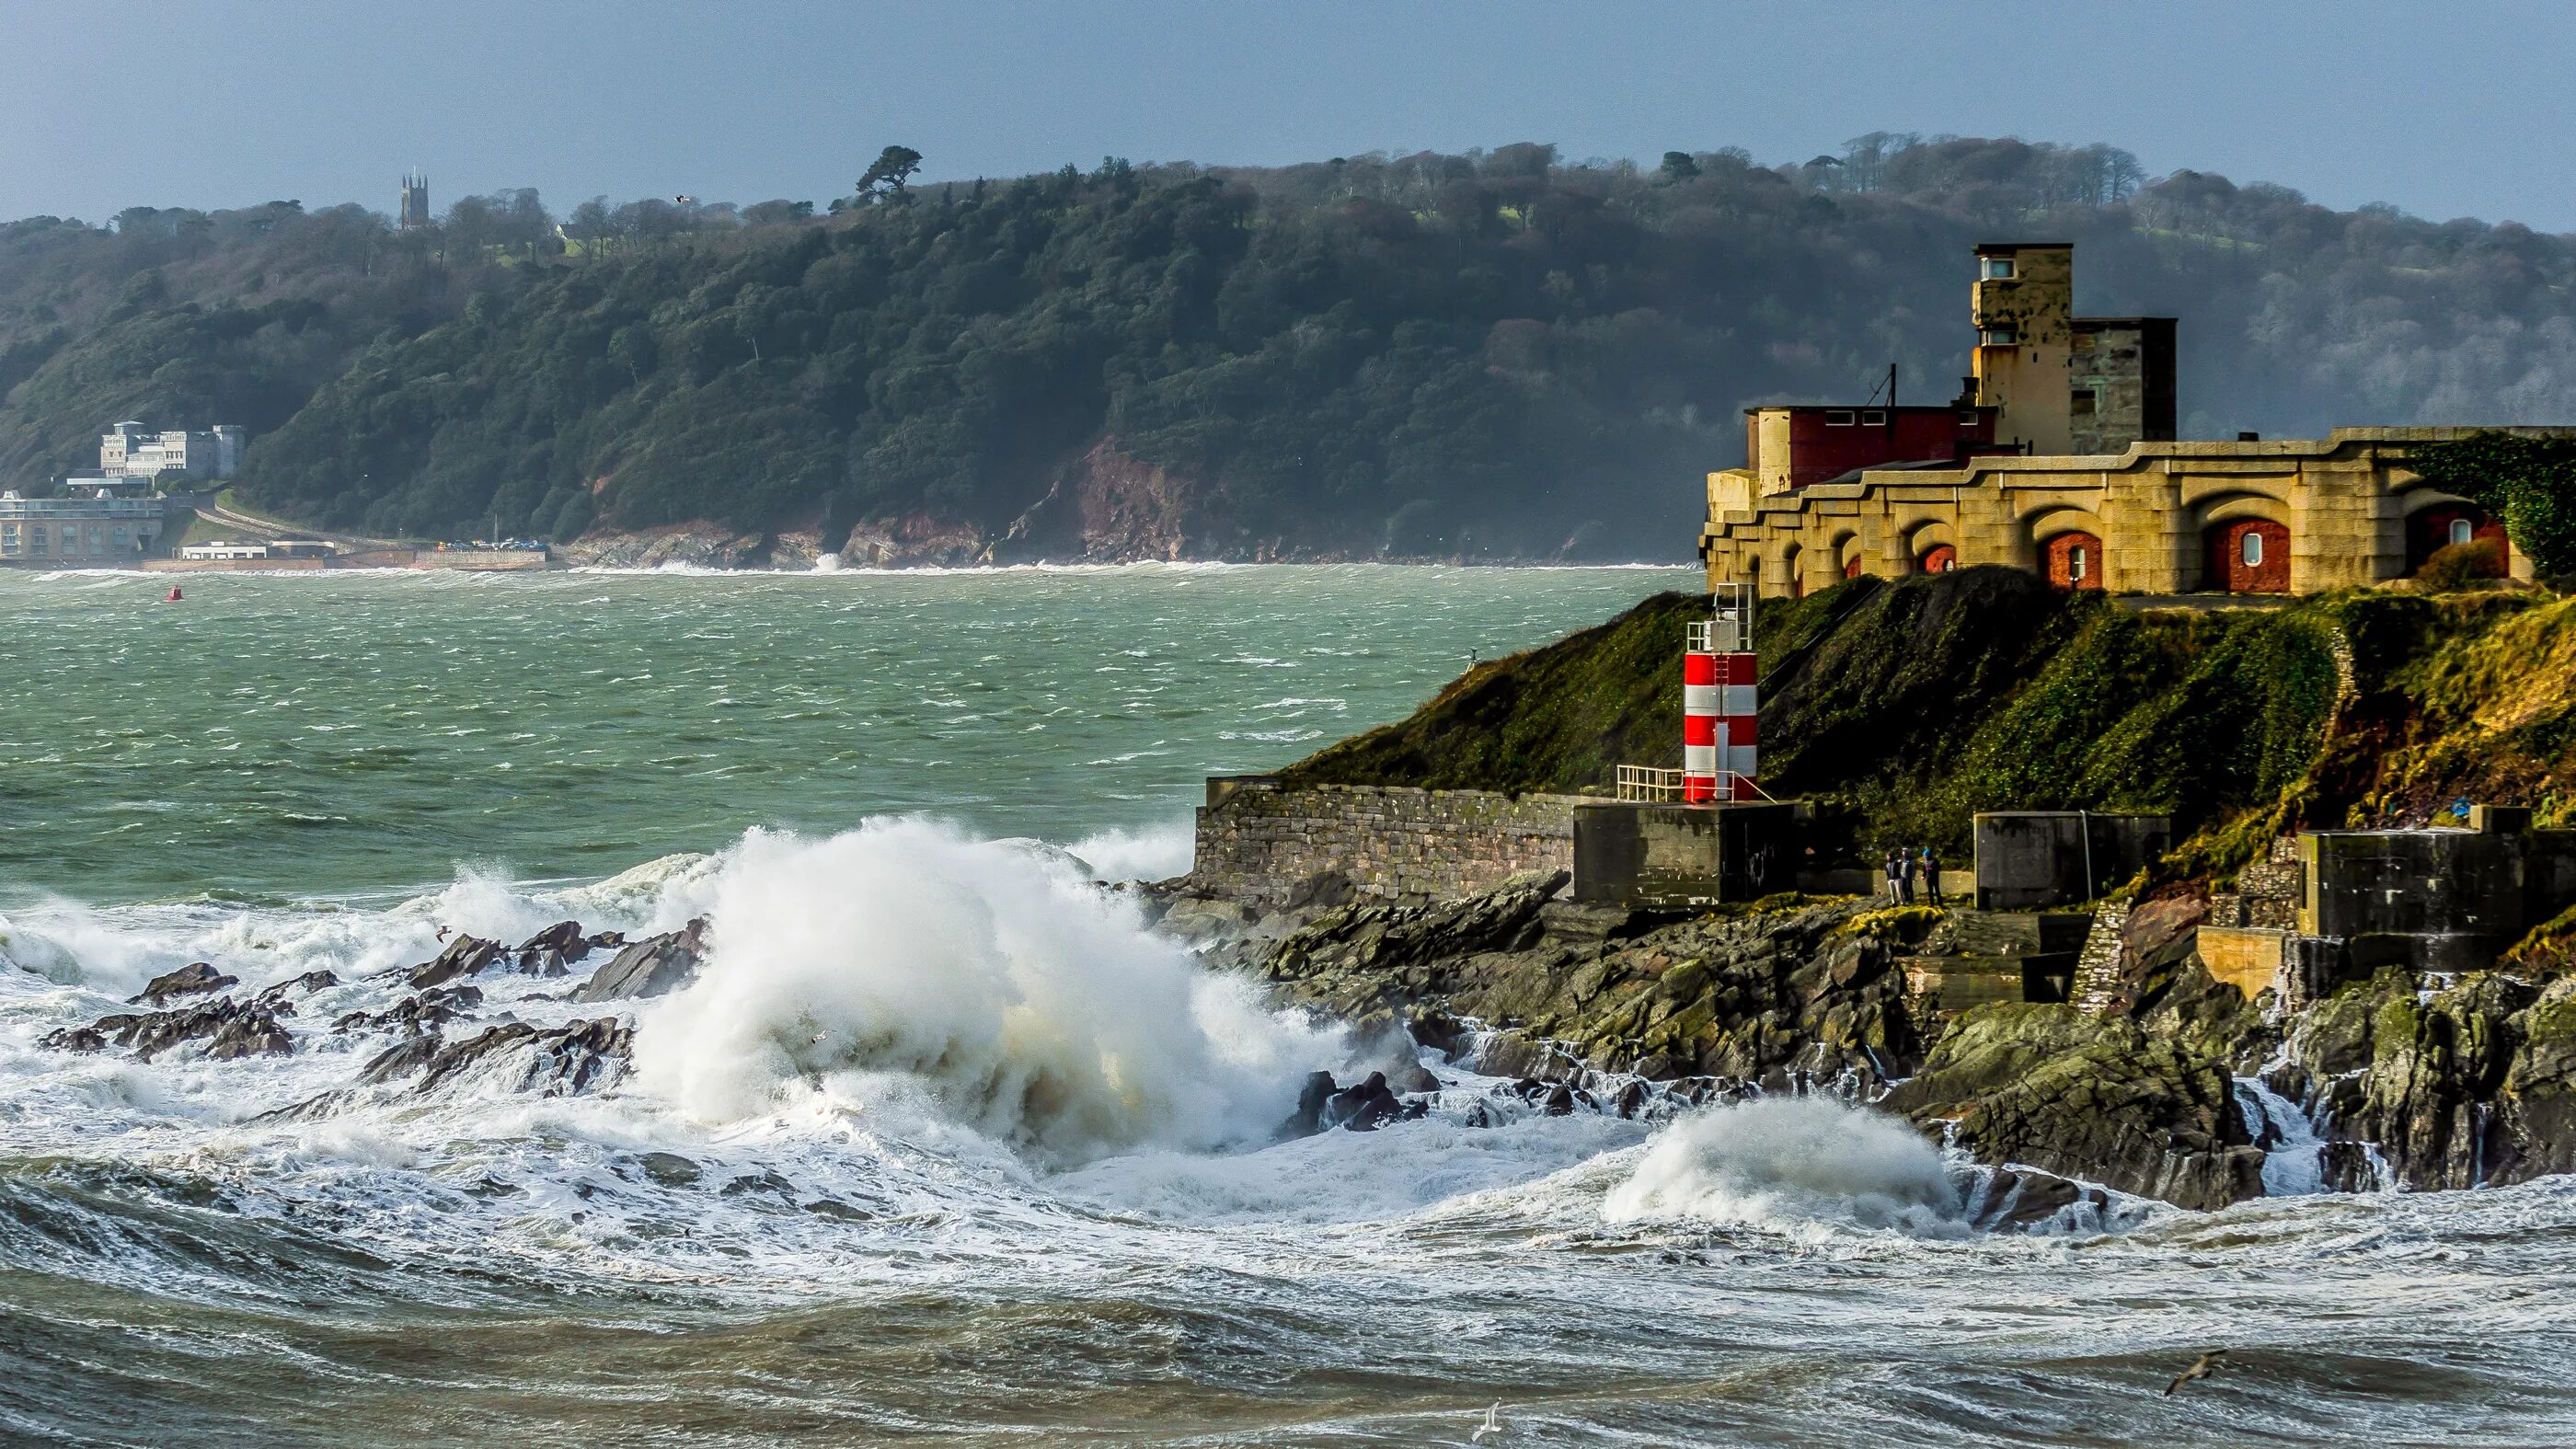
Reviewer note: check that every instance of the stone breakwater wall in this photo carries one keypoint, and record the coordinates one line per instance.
(1271, 846)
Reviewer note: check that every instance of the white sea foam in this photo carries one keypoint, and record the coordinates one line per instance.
(1797, 1165)
(1156, 852)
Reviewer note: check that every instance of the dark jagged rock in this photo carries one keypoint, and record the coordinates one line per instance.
(401, 1059)
(464, 956)
(554, 950)
(606, 940)
(1309, 1117)
(2087, 1097)
(654, 966)
(304, 985)
(1365, 1107)
(1570, 989)
(188, 980)
(670, 1169)
(2019, 1199)
(765, 1181)
(254, 1033)
(425, 1011)
(231, 1029)
(553, 1061)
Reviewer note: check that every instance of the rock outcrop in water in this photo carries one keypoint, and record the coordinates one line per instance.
(654, 966)
(229, 1028)
(2093, 1097)
(188, 980)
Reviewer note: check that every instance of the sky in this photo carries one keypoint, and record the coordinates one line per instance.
(2444, 110)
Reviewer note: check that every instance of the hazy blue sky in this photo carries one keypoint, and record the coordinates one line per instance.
(2445, 110)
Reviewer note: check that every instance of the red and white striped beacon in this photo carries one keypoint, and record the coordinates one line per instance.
(1718, 703)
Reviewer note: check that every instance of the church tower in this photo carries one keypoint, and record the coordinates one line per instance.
(414, 215)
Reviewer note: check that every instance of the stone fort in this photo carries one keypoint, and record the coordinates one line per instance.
(2059, 456)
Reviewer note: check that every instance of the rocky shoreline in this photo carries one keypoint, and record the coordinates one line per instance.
(2179, 1092)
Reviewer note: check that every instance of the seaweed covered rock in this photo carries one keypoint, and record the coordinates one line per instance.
(2087, 1097)
(2455, 1088)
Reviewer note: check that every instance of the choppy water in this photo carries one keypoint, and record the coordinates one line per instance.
(1000, 1160)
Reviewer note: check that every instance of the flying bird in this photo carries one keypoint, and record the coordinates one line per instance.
(1493, 1425)
(2200, 1370)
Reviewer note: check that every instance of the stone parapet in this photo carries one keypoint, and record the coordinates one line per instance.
(1269, 845)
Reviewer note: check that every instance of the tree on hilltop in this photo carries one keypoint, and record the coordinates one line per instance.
(889, 178)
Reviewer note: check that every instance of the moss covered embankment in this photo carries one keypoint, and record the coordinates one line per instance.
(1901, 709)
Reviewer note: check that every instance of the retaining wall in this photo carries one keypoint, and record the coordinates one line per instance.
(1268, 845)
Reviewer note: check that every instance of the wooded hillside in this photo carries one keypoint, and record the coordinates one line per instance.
(1496, 355)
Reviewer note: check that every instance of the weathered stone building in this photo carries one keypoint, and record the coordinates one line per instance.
(2084, 481)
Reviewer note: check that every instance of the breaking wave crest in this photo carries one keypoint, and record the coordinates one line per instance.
(1796, 1164)
(905, 962)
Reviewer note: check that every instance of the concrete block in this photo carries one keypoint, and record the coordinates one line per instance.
(2246, 958)
(1680, 856)
(2033, 859)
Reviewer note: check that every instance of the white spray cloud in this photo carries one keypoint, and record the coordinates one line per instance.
(1803, 1165)
(1157, 852)
(903, 961)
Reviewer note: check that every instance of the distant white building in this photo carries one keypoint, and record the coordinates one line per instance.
(223, 549)
(130, 450)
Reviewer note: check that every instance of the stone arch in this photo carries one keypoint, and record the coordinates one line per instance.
(2246, 555)
(2228, 507)
(2069, 544)
(1843, 548)
(1792, 582)
(1932, 547)
(2443, 521)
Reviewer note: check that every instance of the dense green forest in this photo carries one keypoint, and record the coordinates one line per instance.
(1499, 354)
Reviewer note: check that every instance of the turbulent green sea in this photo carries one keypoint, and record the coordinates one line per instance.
(322, 734)
(942, 1144)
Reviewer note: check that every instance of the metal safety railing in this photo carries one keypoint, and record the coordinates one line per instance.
(1729, 627)
(1645, 782)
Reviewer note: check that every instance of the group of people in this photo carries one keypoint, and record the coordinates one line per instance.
(1904, 867)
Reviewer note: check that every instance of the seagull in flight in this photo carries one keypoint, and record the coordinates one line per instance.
(1493, 1425)
(2200, 1370)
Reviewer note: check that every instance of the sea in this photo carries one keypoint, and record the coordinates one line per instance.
(945, 1146)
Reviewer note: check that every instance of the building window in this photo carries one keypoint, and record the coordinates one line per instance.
(38, 546)
(1997, 269)
(1838, 418)
(2080, 402)
(8, 538)
(1999, 337)
(1968, 420)
(1874, 418)
(2462, 530)
(2253, 549)
(2076, 562)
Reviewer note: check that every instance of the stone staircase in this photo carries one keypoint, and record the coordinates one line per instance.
(2097, 967)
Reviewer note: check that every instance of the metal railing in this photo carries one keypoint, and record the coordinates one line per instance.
(1645, 783)
(1729, 629)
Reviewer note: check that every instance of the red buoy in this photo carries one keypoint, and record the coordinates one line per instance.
(174, 594)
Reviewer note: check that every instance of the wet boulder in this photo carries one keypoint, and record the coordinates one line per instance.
(304, 985)
(74, 1039)
(2088, 1097)
(424, 1011)
(464, 956)
(1365, 1107)
(552, 951)
(670, 1169)
(553, 1061)
(190, 980)
(400, 1060)
(654, 966)
(231, 1029)
(1309, 1117)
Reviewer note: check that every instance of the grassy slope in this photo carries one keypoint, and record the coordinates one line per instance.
(1982, 690)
